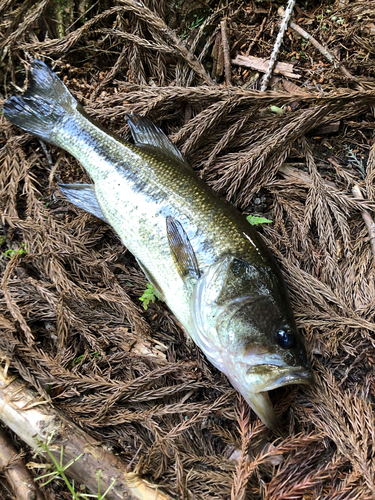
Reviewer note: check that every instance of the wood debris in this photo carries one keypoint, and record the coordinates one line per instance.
(262, 65)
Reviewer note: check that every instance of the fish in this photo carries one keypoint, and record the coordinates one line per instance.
(205, 261)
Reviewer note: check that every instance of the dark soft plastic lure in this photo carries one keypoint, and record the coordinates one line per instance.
(203, 258)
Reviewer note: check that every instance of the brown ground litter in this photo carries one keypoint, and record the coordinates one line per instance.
(71, 322)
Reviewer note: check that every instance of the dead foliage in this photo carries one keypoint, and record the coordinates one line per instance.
(71, 321)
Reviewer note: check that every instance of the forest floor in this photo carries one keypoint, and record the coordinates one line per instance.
(301, 154)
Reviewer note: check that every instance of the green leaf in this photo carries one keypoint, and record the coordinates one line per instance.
(78, 359)
(277, 110)
(254, 220)
(11, 252)
(149, 295)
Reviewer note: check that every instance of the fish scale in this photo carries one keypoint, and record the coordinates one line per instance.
(148, 188)
(205, 260)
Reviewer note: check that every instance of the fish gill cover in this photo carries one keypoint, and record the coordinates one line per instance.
(72, 325)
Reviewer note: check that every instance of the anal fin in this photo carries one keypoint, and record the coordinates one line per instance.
(83, 196)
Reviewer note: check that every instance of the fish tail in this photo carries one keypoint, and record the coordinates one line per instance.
(44, 104)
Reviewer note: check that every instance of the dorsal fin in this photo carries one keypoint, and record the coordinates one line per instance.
(144, 131)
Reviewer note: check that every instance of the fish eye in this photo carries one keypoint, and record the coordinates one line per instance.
(284, 338)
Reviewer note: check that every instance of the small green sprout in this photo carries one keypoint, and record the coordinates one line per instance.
(254, 220)
(197, 22)
(78, 359)
(11, 252)
(194, 24)
(58, 471)
(149, 295)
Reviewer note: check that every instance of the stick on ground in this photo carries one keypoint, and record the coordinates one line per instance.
(227, 64)
(14, 469)
(257, 36)
(277, 45)
(331, 58)
(30, 418)
(367, 218)
(262, 65)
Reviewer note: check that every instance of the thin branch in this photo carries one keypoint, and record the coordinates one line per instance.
(47, 153)
(257, 36)
(33, 420)
(366, 217)
(331, 58)
(277, 45)
(263, 65)
(227, 63)
(14, 469)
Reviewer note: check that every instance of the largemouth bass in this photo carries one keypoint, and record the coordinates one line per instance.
(204, 259)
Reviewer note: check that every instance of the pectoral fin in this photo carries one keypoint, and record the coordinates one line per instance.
(181, 250)
(145, 132)
(83, 196)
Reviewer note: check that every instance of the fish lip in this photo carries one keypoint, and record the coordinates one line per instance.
(286, 376)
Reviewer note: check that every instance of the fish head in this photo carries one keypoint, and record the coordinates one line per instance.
(243, 322)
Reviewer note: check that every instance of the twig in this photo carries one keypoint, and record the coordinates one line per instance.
(53, 167)
(46, 152)
(263, 65)
(257, 36)
(33, 421)
(110, 76)
(349, 178)
(277, 45)
(331, 58)
(299, 176)
(19, 478)
(367, 218)
(227, 64)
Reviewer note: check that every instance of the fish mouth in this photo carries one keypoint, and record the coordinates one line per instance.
(263, 377)
(267, 377)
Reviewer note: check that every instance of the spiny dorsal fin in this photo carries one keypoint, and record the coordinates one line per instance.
(83, 196)
(181, 250)
(144, 131)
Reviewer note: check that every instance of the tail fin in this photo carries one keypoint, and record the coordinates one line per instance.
(43, 105)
